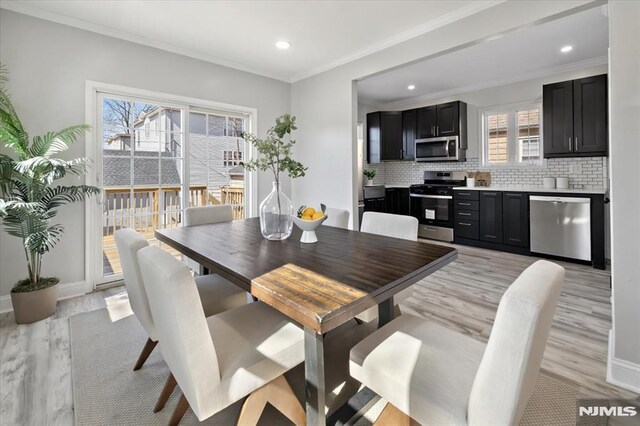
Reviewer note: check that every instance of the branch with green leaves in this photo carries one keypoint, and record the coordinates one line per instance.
(274, 153)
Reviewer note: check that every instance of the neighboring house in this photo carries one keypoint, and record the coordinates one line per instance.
(215, 152)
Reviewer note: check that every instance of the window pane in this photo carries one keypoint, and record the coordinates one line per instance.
(528, 122)
(197, 123)
(235, 126)
(497, 138)
(171, 145)
(173, 120)
(216, 125)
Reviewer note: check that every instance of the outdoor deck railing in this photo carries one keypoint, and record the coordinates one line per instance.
(155, 207)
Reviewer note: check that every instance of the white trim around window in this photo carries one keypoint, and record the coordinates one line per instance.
(93, 91)
(502, 142)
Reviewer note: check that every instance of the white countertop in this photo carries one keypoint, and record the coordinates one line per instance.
(534, 189)
(396, 186)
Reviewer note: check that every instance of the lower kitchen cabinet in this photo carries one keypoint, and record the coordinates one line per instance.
(515, 218)
(499, 220)
(375, 205)
(491, 216)
(397, 201)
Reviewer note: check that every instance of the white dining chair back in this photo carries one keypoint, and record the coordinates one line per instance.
(507, 373)
(390, 225)
(337, 218)
(128, 243)
(208, 214)
(185, 340)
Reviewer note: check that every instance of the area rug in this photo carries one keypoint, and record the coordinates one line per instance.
(106, 391)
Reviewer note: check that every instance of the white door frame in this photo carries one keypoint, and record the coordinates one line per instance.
(93, 141)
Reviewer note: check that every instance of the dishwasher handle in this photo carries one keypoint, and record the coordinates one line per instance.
(560, 200)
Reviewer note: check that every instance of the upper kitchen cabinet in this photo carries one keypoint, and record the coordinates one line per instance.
(575, 118)
(590, 115)
(409, 124)
(427, 122)
(384, 136)
(448, 119)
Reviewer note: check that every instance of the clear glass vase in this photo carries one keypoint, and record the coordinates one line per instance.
(276, 215)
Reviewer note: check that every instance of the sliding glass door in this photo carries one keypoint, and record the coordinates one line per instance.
(156, 159)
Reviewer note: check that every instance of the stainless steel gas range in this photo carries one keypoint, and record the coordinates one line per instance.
(432, 203)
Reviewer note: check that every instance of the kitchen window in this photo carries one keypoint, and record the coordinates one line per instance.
(512, 136)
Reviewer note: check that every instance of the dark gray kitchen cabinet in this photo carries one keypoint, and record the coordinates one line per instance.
(426, 122)
(448, 119)
(590, 115)
(557, 111)
(384, 136)
(375, 205)
(398, 201)
(409, 127)
(491, 216)
(515, 218)
(575, 118)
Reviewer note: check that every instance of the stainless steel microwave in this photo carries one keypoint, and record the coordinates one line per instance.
(447, 148)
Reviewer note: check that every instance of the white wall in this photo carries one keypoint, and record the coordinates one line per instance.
(624, 127)
(49, 64)
(326, 104)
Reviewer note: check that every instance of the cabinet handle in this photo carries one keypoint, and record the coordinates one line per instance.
(433, 130)
(464, 223)
(466, 194)
(576, 142)
(437, 130)
(463, 204)
(464, 214)
(570, 145)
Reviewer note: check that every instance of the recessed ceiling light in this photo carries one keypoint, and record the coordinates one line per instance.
(283, 44)
(411, 87)
(566, 49)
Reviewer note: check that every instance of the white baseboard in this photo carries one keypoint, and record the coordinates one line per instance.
(65, 291)
(621, 372)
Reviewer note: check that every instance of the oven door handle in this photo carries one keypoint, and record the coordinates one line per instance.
(441, 197)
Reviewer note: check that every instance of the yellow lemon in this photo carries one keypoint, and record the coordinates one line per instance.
(317, 215)
(307, 217)
(309, 211)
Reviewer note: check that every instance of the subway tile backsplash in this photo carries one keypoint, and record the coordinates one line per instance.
(583, 172)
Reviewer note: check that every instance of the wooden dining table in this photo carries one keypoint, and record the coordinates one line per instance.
(319, 286)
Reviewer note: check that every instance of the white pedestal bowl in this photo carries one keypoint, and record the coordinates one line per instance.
(308, 228)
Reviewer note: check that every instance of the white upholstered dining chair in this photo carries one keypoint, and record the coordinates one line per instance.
(202, 216)
(208, 214)
(438, 376)
(216, 293)
(221, 359)
(337, 218)
(389, 225)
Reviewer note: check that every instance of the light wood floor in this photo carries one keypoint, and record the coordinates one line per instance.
(35, 359)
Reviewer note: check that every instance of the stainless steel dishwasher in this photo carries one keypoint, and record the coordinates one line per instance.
(561, 226)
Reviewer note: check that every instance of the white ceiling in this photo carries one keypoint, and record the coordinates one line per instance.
(242, 34)
(520, 55)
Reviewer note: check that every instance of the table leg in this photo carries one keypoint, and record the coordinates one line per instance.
(385, 312)
(314, 375)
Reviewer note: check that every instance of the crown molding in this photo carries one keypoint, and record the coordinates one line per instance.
(408, 102)
(37, 12)
(431, 25)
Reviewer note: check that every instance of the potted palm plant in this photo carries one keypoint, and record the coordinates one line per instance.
(30, 198)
